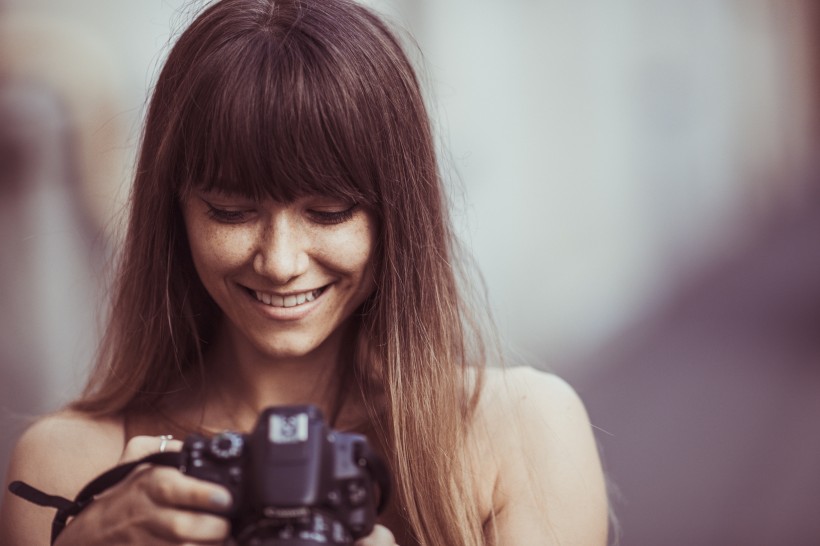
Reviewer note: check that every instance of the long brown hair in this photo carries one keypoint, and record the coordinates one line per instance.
(278, 99)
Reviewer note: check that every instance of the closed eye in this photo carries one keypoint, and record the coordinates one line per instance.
(330, 217)
(227, 216)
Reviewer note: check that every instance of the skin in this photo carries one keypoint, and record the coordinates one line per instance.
(272, 354)
(533, 436)
(531, 445)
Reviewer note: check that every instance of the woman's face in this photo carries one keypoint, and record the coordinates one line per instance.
(285, 275)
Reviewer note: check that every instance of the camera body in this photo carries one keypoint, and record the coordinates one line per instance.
(294, 481)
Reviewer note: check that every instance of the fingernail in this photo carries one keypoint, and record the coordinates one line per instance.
(221, 499)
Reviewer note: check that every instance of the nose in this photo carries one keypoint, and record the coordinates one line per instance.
(282, 251)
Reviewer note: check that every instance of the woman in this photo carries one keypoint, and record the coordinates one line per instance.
(288, 244)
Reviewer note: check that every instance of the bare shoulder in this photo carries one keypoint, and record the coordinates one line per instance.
(62, 451)
(521, 399)
(523, 386)
(549, 487)
(58, 454)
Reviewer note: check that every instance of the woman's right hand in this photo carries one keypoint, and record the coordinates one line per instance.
(153, 505)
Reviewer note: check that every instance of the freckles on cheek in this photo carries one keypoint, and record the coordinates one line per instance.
(220, 248)
(351, 251)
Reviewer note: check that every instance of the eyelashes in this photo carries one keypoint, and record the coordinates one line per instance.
(332, 217)
(323, 217)
(226, 216)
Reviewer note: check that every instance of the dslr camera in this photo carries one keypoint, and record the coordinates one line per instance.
(294, 481)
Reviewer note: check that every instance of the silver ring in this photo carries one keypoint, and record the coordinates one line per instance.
(163, 442)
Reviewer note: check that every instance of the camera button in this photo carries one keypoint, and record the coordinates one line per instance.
(334, 498)
(356, 494)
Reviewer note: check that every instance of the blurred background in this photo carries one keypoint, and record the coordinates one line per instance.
(637, 180)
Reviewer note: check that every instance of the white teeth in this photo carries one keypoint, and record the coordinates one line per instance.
(287, 301)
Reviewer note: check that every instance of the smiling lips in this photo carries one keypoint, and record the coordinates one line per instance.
(291, 300)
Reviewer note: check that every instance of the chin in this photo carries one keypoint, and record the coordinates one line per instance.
(287, 349)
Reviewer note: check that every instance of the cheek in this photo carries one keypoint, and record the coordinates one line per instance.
(216, 250)
(350, 251)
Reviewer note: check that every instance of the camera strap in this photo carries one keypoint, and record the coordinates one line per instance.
(67, 508)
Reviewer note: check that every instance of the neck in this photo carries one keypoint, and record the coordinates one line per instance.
(243, 381)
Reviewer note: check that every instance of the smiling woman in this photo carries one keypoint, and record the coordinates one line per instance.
(289, 244)
(286, 275)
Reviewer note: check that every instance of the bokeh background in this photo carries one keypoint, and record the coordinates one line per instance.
(637, 180)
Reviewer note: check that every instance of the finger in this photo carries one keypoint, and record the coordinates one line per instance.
(381, 536)
(182, 526)
(142, 446)
(168, 443)
(170, 487)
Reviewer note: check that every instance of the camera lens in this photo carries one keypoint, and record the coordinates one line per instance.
(317, 529)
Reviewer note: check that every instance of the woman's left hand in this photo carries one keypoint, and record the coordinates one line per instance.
(381, 536)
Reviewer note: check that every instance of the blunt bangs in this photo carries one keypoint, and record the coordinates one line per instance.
(268, 115)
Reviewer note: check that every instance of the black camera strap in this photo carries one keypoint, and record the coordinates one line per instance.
(67, 508)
